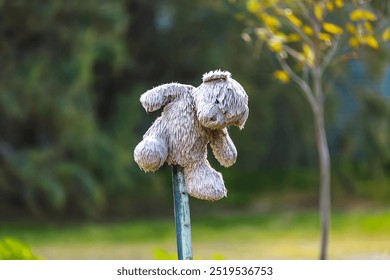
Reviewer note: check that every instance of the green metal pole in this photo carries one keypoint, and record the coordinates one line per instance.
(182, 214)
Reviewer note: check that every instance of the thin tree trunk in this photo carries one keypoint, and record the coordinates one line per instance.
(324, 162)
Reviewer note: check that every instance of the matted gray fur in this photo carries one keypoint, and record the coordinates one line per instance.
(191, 119)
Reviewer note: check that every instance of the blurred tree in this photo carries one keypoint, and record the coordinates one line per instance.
(306, 37)
(54, 153)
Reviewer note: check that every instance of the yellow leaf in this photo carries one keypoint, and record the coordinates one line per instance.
(354, 42)
(253, 6)
(294, 37)
(351, 28)
(275, 44)
(308, 53)
(371, 41)
(281, 36)
(282, 76)
(318, 11)
(308, 30)
(325, 37)
(369, 15)
(368, 26)
(329, 6)
(386, 34)
(271, 21)
(339, 3)
(332, 28)
(356, 15)
(361, 14)
(294, 20)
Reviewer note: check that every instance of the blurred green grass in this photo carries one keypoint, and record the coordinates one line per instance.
(280, 235)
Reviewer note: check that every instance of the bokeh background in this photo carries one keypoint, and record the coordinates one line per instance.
(71, 74)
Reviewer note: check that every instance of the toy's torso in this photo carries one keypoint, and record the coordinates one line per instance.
(185, 137)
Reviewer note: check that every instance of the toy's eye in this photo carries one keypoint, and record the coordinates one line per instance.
(219, 100)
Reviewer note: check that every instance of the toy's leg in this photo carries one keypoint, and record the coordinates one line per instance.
(204, 182)
(151, 153)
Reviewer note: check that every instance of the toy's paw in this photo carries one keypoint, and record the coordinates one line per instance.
(150, 154)
(223, 147)
(205, 183)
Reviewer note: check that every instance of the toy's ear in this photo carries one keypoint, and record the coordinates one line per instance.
(242, 119)
(216, 75)
(158, 97)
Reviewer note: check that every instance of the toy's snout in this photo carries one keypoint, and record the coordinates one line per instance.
(217, 117)
(211, 117)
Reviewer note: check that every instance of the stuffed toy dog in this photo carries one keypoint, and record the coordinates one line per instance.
(192, 118)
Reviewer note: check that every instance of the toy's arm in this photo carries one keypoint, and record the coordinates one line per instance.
(223, 147)
(158, 97)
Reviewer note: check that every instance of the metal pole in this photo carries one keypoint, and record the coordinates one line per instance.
(182, 214)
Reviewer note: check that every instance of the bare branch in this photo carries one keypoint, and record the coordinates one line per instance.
(301, 83)
(309, 15)
(329, 56)
(305, 11)
(305, 74)
(296, 55)
(293, 53)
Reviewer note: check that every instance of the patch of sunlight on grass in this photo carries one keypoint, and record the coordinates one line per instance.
(103, 251)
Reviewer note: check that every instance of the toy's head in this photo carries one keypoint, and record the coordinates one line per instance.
(221, 101)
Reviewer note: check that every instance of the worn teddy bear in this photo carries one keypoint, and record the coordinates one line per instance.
(191, 119)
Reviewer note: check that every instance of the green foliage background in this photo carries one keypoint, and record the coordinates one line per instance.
(71, 75)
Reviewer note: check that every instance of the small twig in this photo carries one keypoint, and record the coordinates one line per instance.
(295, 54)
(329, 56)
